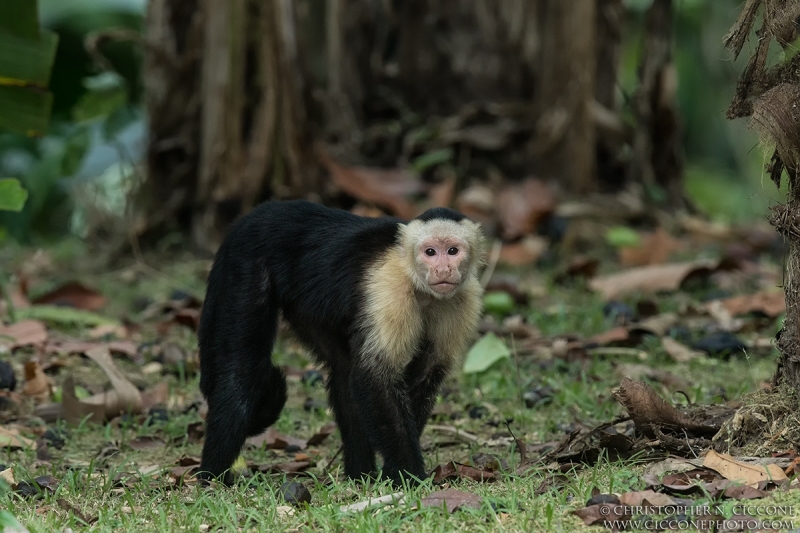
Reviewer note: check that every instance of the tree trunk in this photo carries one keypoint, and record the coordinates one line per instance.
(565, 134)
(786, 219)
(229, 124)
(770, 94)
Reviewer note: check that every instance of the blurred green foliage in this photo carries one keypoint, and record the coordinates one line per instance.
(12, 195)
(90, 110)
(26, 59)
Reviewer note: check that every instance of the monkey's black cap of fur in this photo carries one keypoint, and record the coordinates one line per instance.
(438, 213)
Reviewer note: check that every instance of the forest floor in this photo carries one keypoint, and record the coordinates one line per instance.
(514, 446)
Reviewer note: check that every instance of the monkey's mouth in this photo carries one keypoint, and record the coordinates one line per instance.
(443, 287)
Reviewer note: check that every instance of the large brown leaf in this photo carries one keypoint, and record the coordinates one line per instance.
(650, 279)
(388, 188)
(23, 333)
(74, 294)
(521, 206)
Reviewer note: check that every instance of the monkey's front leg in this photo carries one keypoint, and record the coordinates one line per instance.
(423, 389)
(385, 410)
(359, 455)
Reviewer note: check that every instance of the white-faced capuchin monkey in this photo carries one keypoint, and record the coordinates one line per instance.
(388, 307)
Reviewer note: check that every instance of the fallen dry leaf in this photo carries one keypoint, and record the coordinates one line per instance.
(771, 304)
(11, 439)
(75, 410)
(384, 187)
(524, 252)
(129, 399)
(454, 470)
(289, 467)
(37, 384)
(73, 294)
(7, 475)
(70, 347)
(745, 492)
(452, 499)
(697, 480)
(323, 433)
(521, 206)
(650, 279)
(272, 439)
(23, 333)
(156, 395)
(146, 443)
(679, 353)
(102, 331)
(124, 398)
(610, 337)
(655, 249)
(180, 471)
(705, 230)
(749, 474)
(645, 497)
(647, 410)
(602, 514)
(657, 325)
(478, 203)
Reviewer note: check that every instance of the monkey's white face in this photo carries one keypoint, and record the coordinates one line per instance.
(444, 254)
(444, 262)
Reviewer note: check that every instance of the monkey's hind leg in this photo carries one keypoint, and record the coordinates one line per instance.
(245, 392)
(231, 419)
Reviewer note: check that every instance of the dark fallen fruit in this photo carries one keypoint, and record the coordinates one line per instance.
(27, 489)
(680, 334)
(55, 437)
(721, 344)
(295, 493)
(292, 448)
(619, 313)
(8, 380)
(157, 414)
(36, 487)
(602, 498)
(477, 411)
(538, 396)
(179, 295)
(314, 405)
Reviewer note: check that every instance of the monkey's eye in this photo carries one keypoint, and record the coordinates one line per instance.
(430, 252)
(452, 251)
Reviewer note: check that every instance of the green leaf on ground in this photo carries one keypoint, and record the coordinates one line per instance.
(498, 302)
(620, 236)
(485, 353)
